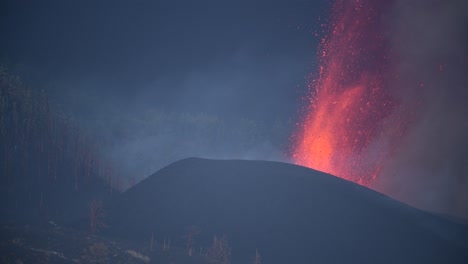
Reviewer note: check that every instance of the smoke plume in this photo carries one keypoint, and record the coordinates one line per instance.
(429, 169)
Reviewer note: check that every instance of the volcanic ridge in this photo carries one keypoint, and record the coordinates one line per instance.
(291, 214)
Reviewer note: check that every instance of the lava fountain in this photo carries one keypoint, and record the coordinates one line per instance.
(350, 101)
(387, 108)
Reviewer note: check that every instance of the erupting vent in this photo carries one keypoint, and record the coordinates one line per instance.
(350, 101)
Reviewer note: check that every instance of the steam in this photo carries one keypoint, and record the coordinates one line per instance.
(430, 168)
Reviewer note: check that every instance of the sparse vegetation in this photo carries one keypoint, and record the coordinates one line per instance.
(46, 160)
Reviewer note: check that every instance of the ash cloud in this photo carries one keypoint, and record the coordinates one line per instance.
(430, 168)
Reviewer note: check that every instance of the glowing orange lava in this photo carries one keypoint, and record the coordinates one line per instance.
(349, 101)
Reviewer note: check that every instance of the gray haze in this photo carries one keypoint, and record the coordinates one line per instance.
(430, 169)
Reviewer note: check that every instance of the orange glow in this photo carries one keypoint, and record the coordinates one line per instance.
(326, 139)
(349, 101)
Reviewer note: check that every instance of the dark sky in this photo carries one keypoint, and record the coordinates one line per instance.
(244, 58)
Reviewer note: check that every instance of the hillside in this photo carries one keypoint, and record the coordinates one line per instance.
(291, 214)
(50, 168)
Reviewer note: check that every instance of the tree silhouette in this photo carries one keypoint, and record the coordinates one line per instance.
(96, 216)
(219, 252)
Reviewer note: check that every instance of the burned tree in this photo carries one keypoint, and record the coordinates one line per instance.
(96, 216)
(219, 252)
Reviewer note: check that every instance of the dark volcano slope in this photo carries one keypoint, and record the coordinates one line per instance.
(290, 213)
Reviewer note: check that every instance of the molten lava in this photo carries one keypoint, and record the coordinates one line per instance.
(350, 101)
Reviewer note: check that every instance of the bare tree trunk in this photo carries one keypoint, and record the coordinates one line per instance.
(257, 259)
